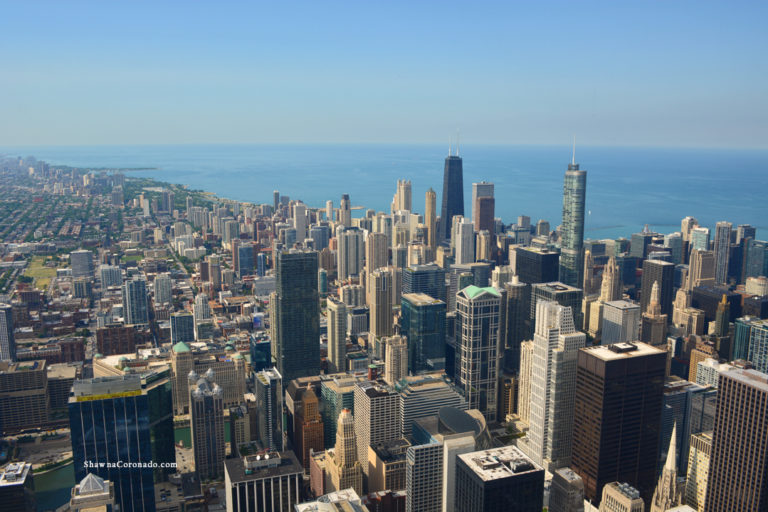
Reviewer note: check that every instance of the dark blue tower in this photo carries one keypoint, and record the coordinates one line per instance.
(453, 191)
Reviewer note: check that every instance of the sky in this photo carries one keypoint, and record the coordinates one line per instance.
(650, 73)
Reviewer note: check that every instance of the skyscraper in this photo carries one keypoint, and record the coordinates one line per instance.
(464, 241)
(346, 471)
(430, 219)
(428, 279)
(135, 302)
(572, 231)
(351, 252)
(701, 269)
(7, 341)
(478, 347)
(163, 286)
(380, 292)
(296, 339)
(206, 407)
(396, 360)
(482, 189)
(376, 252)
(621, 321)
(82, 263)
(662, 272)
(337, 335)
(269, 403)
(424, 478)
(345, 211)
(567, 492)
(722, 251)
(182, 327)
(737, 475)
(556, 343)
(617, 414)
(668, 493)
(402, 200)
(453, 192)
(126, 420)
(653, 329)
(423, 324)
(377, 418)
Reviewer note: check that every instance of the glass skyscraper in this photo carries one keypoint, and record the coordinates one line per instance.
(135, 302)
(423, 323)
(126, 420)
(453, 192)
(572, 233)
(297, 315)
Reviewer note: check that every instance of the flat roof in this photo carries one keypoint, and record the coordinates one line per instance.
(752, 378)
(421, 299)
(15, 474)
(622, 350)
(623, 304)
(498, 463)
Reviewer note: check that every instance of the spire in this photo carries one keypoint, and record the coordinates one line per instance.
(457, 142)
(450, 148)
(573, 159)
(671, 463)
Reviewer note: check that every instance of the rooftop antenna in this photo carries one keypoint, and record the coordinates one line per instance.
(457, 142)
(573, 160)
(449, 145)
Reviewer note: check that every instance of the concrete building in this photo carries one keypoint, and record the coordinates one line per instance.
(17, 488)
(621, 322)
(698, 470)
(396, 360)
(424, 478)
(377, 418)
(267, 483)
(621, 497)
(269, 404)
(23, 395)
(82, 263)
(93, 494)
(337, 335)
(566, 492)
(206, 405)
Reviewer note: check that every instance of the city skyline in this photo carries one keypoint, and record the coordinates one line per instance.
(665, 74)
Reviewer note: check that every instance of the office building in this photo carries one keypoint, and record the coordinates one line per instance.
(700, 238)
(453, 192)
(7, 339)
(663, 273)
(135, 304)
(617, 413)
(246, 260)
(758, 345)
(621, 322)
(430, 219)
(351, 252)
(17, 488)
(376, 252)
(93, 494)
(561, 293)
(737, 477)
(336, 393)
(380, 292)
(482, 189)
(518, 322)
(396, 359)
(621, 497)
(206, 406)
(484, 215)
(722, 251)
(478, 347)
(698, 470)
(163, 286)
(126, 420)
(376, 416)
(387, 463)
(701, 270)
(270, 482)
(756, 258)
(428, 279)
(182, 328)
(422, 396)
(423, 325)
(536, 265)
(82, 263)
(424, 478)
(352, 295)
(110, 275)
(337, 335)
(269, 404)
(556, 343)
(345, 470)
(463, 240)
(498, 480)
(572, 231)
(566, 493)
(24, 398)
(296, 323)
(653, 329)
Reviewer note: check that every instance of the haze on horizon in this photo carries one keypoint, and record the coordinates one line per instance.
(615, 73)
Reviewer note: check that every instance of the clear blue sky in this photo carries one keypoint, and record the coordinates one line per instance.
(671, 73)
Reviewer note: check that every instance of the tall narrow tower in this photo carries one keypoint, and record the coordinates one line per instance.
(430, 218)
(574, 194)
(453, 191)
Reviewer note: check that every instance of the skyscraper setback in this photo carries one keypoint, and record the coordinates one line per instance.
(453, 192)
(572, 233)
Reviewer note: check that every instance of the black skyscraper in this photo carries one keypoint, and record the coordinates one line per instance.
(453, 192)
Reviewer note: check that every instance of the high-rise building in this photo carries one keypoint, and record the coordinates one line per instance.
(536, 265)
(163, 286)
(270, 482)
(621, 322)
(561, 293)
(517, 319)
(485, 215)
(478, 347)
(482, 189)
(345, 211)
(430, 219)
(556, 343)
(662, 272)
(722, 251)
(206, 406)
(524, 379)
(182, 328)
(566, 493)
(7, 340)
(24, 399)
(423, 396)
(463, 240)
(453, 192)
(402, 199)
(423, 324)
(17, 488)
(698, 470)
(396, 359)
(110, 275)
(572, 231)
(82, 263)
(120, 428)
(737, 476)
(337, 335)
(345, 470)
(424, 478)
(296, 324)
(376, 252)
(135, 303)
(269, 404)
(93, 493)
(246, 256)
(336, 393)
(653, 329)
(428, 279)
(621, 497)
(498, 480)
(701, 270)
(617, 411)
(377, 418)
(350, 253)
(380, 292)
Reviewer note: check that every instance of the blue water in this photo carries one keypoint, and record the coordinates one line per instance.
(626, 187)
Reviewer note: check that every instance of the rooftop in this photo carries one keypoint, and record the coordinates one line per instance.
(622, 350)
(257, 467)
(473, 291)
(751, 378)
(15, 474)
(623, 304)
(556, 286)
(421, 299)
(497, 463)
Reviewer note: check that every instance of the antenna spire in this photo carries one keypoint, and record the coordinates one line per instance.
(457, 142)
(450, 149)
(573, 159)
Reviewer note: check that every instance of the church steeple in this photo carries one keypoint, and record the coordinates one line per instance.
(668, 494)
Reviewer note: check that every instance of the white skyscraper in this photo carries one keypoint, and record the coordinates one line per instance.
(300, 221)
(621, 322)
(351, 250)
(464, 241)
(337, 335)
(556, 343)
(163, 288)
